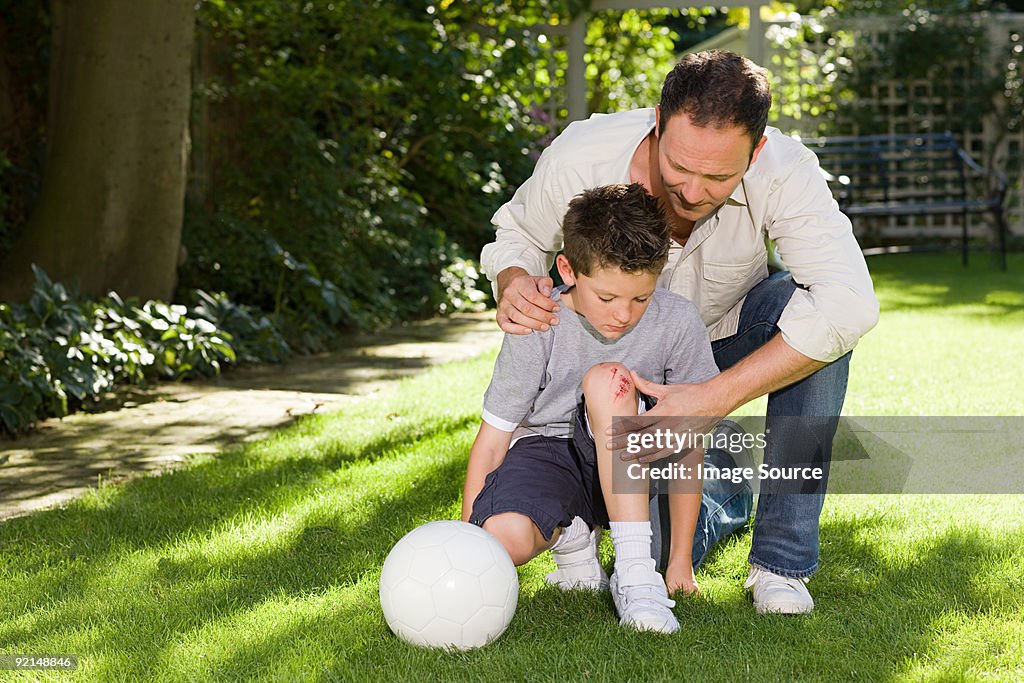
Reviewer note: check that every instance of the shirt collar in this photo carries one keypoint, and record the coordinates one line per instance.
(738, 196)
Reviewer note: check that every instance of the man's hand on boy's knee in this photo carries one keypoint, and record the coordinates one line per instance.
(680, 409)
(684, 400)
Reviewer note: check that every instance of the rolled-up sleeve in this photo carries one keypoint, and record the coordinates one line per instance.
(816, 243)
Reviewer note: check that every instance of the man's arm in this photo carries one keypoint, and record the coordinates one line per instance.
(528, 235)
(527, 238)
(819, 324)
(487, 453)
(835, 305)
(773, 366)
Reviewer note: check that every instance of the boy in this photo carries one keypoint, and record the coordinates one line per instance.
(536, 479)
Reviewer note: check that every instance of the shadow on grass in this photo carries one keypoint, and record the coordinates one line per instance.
(150, 530)
(153, 510)
(880, 599)
(884, 607)
(77, 455)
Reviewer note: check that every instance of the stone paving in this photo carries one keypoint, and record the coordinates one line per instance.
(162, 427)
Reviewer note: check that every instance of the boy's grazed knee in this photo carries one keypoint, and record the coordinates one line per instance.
(609, 380)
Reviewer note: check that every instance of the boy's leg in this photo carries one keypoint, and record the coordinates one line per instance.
(524, 541)
(525, 503)
(639, 592)
(575, 555)
(519, 535)
(725, 503)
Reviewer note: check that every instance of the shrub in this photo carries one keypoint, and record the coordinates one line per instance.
(60, 352)
(349, 159)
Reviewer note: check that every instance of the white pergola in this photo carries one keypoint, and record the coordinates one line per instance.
(577, 34)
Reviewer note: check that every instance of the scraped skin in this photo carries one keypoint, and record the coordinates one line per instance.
(610, 393)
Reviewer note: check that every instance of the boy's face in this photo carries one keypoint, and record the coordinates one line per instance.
(611, 300)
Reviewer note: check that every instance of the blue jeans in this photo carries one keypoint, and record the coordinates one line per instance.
(801, 423)
(724, 508)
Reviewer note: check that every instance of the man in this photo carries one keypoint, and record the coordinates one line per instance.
(731, 187)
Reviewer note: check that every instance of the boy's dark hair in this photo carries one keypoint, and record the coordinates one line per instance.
(718, 88)
(616, 225)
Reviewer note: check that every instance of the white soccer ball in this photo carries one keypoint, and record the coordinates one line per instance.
(448, 584)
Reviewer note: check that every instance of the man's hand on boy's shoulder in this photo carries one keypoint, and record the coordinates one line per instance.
(524, 302)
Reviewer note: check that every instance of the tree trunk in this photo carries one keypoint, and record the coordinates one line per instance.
(111, 203)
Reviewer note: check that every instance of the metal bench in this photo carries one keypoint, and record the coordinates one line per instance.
(912, 175)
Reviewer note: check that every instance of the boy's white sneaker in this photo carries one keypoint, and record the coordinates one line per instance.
(774, 594)
(641, 599)
(578, 566)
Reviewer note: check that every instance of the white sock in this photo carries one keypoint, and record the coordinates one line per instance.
(570, 533)
(632, 541)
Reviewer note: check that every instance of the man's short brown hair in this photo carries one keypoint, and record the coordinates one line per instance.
(616, 225)
(718, 88)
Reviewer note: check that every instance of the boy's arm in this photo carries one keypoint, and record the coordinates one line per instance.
(487, 452)
(518, 373)
(684, 509)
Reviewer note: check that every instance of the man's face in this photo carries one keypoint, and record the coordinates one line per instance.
(611, 300)
(700, 167)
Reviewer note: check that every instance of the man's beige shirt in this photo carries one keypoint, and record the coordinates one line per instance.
(782, 200)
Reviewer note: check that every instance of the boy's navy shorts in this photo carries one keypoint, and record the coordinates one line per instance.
(548, 479)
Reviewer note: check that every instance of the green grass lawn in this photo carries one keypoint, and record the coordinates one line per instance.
(263, 563)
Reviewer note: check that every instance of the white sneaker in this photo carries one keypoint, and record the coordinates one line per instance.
(642, 601)
(578, 566)
(778, 594)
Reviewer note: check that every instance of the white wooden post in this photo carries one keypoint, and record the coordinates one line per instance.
(577, 68)
(576, 48)
(755, 36)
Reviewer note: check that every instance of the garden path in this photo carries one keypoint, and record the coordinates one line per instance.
(164, 426)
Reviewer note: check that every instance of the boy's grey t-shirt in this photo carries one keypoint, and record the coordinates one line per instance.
(538, 377)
